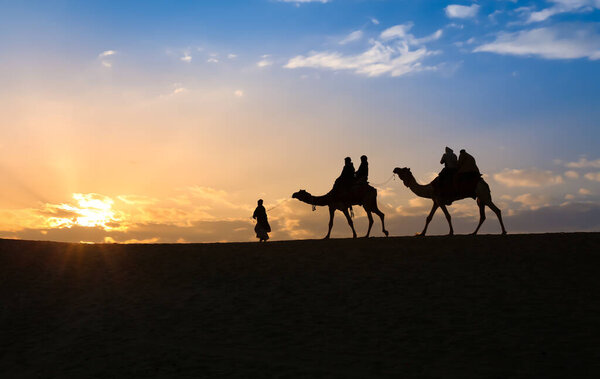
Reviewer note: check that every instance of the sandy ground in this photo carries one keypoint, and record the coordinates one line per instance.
(439, 307)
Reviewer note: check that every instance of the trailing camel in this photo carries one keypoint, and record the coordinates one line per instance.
(363, 195)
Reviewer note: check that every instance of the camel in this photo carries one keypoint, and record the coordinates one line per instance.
(367, 198)
(428, 191)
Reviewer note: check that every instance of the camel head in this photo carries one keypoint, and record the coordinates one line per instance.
(301, 195)
(404, 174)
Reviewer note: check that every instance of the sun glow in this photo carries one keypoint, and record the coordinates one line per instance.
(91, 210)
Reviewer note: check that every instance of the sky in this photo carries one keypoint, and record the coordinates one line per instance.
(162, 121)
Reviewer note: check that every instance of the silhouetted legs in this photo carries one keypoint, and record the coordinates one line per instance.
(481, 214)
(381, 216)
(498, 213)
(447, 214)
(370, 216)
(429, 218)
(331, 214)
(349, 222)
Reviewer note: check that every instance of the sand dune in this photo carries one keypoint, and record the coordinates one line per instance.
(464, 307)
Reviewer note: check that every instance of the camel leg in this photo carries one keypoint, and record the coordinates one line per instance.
(447, 214)
(481, 215)
(429, 218)
(350, 222)
(370, 216)
(498, 213)
(331, 214)
(382, 217)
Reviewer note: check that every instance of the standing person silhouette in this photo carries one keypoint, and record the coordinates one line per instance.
(262, 227)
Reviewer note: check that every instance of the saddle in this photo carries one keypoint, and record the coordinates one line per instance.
(458, 187)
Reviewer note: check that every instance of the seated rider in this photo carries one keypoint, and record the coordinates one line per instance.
(467, 175)
(362, 174)
(346, 178)
(450, 163)
(466, 165)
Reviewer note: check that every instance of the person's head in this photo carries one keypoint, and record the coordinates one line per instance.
(462, 151)
(449, 150)
(347, 160)
(260, 201)
(363, 158)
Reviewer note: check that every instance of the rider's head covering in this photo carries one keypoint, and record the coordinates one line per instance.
(347, 160)
(363, 158)
(449, 150)
(260, 201)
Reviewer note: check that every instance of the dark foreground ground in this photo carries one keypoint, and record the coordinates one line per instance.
(486, 307)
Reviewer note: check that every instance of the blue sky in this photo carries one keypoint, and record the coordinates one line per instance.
(283, 87)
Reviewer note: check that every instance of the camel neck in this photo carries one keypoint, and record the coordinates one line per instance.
(320, 200)
(420, 190)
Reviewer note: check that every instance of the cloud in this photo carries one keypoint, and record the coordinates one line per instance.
(562, 6)
(584, 191)
(231, 56)
(391, 54)
(265, 61)
(107, 53)
(374, 20)
(571, 175)
(594, 176)
(105, 58)
(212, 60)
(527, 178)
(238, 93)
(584, 163)
(548, 43)
(352, 37)
(462, 11)
(187, 58)
(532, 201)
(179, 90)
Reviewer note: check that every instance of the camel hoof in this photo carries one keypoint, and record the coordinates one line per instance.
(504, 233)
(387, 234)
(326, 238)
(419, 234)
(354, 236)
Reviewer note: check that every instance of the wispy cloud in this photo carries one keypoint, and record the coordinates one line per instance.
(594, 176)
(527, 177)
(265, 61)
(187, 58)
(549, 43)
(105, 58)
(584, 163)
(352, 37)
(562, 6)
(390, 54)
(107, 53)
(462, 11)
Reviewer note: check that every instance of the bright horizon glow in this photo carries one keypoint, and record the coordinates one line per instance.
(164, 123)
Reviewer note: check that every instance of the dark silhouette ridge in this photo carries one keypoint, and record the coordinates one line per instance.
(262, 227)
(476, 188)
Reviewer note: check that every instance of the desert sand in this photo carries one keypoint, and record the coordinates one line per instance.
(436, 307)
